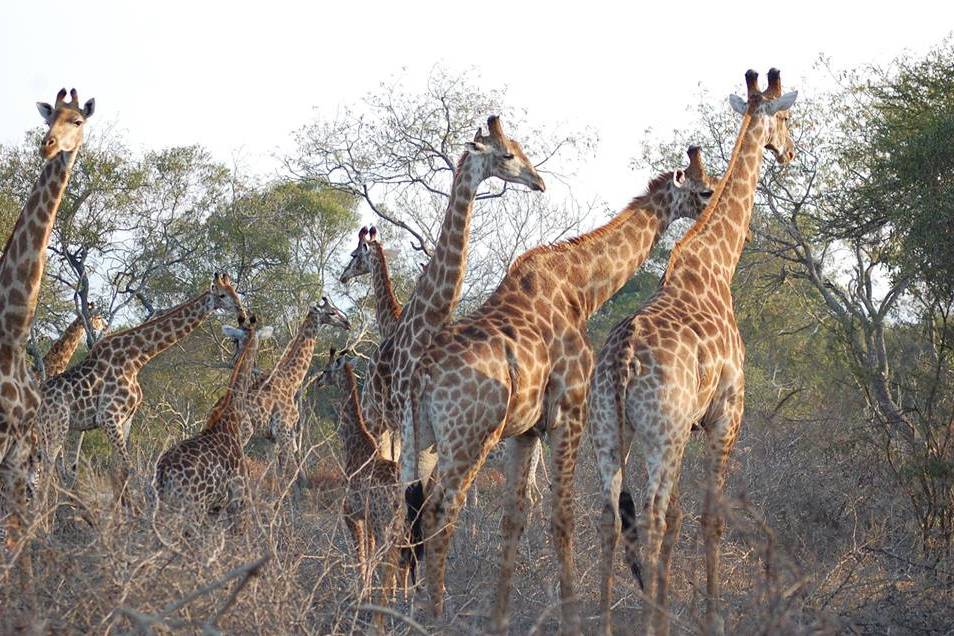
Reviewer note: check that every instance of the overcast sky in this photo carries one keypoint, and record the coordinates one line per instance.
(239, 78)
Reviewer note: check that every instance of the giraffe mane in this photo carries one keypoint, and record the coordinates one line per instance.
(638, 203)
(714, 201)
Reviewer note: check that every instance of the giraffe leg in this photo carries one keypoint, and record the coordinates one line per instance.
(670, 538)
(238, 507)
(13, 487)
(721, 437)
(356, 527)
(113, 416)
(565, 438)
(611, 442)
(456, 472)
(520, 460)
(663, 464)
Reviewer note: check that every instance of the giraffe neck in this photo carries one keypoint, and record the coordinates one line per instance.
(596, 265)
(142, 343)
(358, 444)
(58, 357)
(715, 242)
(292, 367)
(438, 289)
(24, 257)
(226, 415)
(387, 307)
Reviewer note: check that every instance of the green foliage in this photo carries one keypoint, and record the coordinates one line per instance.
(906, 161)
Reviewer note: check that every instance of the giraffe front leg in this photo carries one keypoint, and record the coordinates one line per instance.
(238, 507)
(113, 417)
(521, 453)
(15, 504)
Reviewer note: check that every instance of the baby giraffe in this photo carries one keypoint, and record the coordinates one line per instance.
(207, 472)
(373, 498)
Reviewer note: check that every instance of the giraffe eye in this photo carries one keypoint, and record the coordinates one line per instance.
(78, 122)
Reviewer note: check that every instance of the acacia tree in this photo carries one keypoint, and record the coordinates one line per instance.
(396, 152)
(860, 228)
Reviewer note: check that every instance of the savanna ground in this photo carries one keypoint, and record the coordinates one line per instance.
(812, 544)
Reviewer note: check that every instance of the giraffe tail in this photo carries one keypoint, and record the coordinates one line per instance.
(414, 494)
(627, 513)
(622, 372)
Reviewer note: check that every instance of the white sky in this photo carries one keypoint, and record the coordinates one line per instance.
(239, 77)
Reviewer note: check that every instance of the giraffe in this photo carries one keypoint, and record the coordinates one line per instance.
(207, 472)
(519, 366)
(61, 352)
(438, 289)
(676, 365)
(21, 270)
(55, 362)
(369, 258)
(103, 390)
(373, 492)
(274, 410)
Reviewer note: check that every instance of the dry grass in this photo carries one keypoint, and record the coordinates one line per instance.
(812, 545)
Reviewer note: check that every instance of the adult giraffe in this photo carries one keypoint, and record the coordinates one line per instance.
(21, 270)
(369, 258)
(677, 364)
(437, 292)
(521, 365)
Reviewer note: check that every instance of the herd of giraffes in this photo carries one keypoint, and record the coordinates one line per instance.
(441, 392)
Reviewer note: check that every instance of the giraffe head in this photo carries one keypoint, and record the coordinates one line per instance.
(245, 364)
(331, 374)
(505, 158)
(769, 108)
(66, 120)
(324, 312)
(96, 320)
(682, 193)
(224, 296)
(360, 263)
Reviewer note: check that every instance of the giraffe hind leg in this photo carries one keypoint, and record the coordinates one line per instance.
(522, 450)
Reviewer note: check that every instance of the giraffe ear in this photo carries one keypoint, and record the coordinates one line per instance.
(46, 111)
(782, 103)
(475, 146)
(232, 333)
(88, 108)
(679, 178)
(478, 136)
(738, 104)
